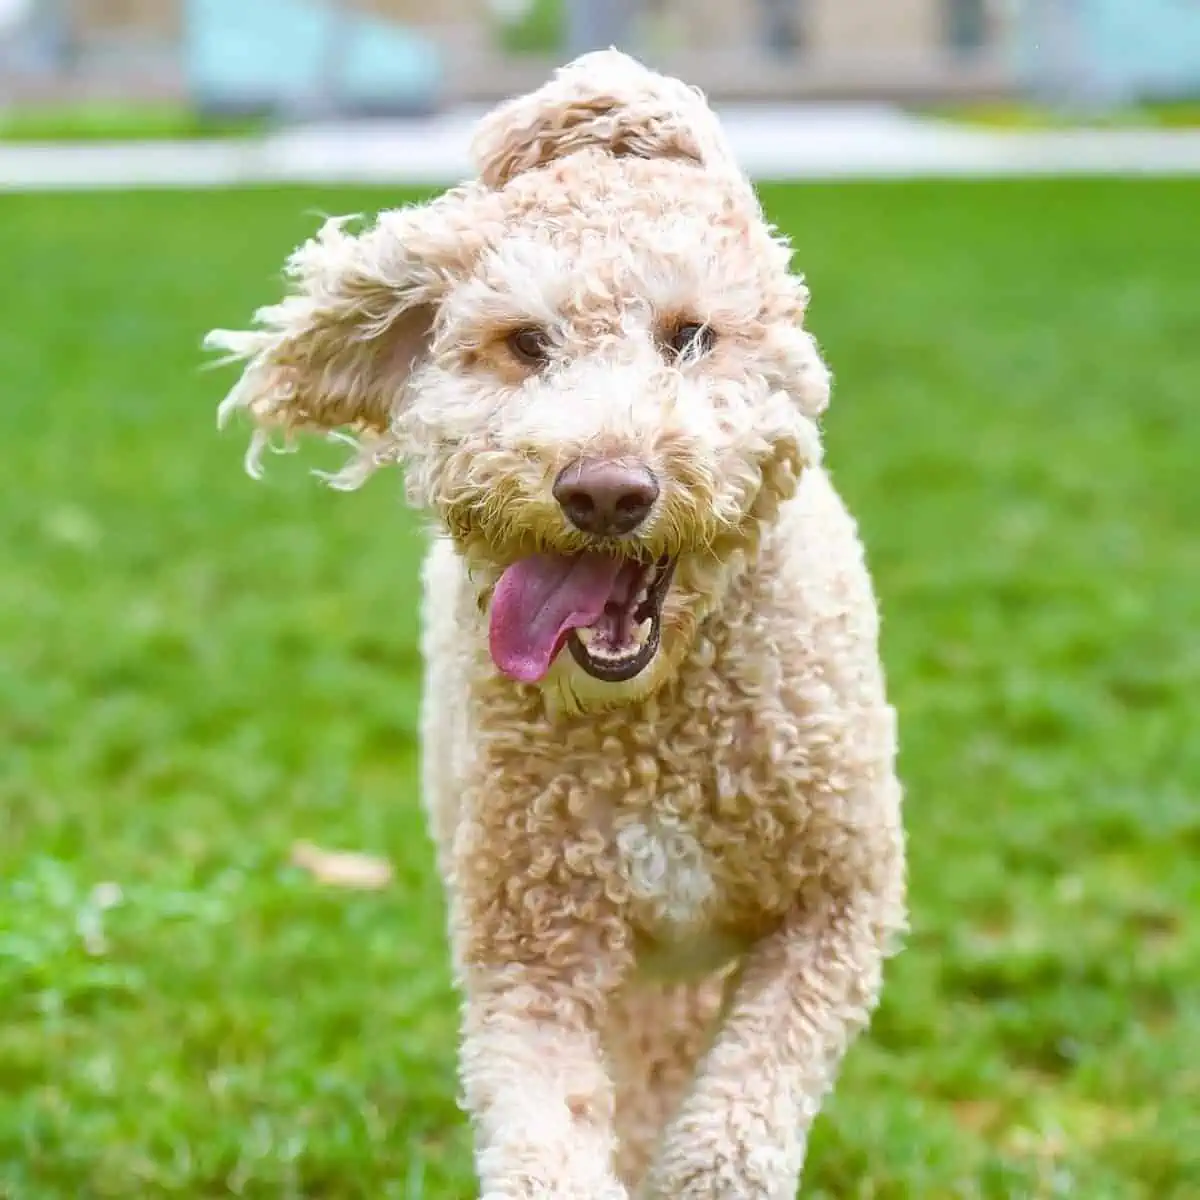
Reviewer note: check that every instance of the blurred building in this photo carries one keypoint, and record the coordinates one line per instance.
(409, 55)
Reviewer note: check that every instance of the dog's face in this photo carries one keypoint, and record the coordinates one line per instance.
(613, 400)
(592, 366)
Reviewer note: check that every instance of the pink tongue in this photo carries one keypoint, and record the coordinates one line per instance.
(538, 601)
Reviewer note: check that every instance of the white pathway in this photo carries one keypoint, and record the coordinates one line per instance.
(827, 142)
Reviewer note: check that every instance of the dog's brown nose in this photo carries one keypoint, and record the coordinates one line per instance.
(604, 497)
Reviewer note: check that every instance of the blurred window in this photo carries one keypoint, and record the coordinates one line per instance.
(966, 26)
(783, 26)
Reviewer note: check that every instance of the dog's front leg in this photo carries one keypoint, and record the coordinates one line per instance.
(540, 950)
(742, 1131)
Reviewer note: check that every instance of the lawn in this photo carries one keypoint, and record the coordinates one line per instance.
(94, 122)
(199, 671)
(1019, 117)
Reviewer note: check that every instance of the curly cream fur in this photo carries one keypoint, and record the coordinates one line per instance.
(670, 899)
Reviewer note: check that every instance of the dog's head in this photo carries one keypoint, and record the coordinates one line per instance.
(590, 362)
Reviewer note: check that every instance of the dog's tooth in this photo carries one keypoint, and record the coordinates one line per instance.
(641, 631)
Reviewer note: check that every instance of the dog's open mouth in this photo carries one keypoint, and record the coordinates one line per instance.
(621, 642)
(605, 609)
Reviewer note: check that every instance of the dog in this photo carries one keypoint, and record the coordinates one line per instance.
(658, 754)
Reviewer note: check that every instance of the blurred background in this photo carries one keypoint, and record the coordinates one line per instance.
(286, 58)
(209, 687)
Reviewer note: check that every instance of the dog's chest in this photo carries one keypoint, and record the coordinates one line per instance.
(674, 897)
(706, 798)
(706, 845)
(666, 869)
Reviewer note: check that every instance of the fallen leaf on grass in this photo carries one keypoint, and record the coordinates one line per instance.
(342, 868)
(979, 1116)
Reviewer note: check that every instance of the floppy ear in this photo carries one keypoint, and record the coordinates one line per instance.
(604, 99)
(337, 351)
(803, 372)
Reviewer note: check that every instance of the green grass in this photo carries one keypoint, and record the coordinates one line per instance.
(540, 31)
(117, 122)
(198, 670)
(1019, 116)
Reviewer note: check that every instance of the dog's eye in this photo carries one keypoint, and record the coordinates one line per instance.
(691, 340)
(531, 345)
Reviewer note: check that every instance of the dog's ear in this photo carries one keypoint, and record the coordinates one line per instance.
(604, 99)
(811, 381)
(803, 371)
(337, 351)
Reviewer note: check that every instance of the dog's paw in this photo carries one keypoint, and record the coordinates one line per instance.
(552, 1186)
(724, 1155)
(612, 1191)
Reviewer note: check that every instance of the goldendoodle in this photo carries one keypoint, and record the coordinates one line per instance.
(659, 757)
